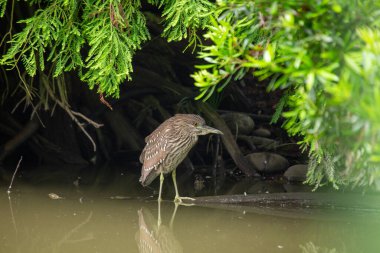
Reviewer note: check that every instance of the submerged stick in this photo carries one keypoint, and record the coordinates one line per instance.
(332, 200)
(14, 174)
(11, 210)
(9, 196)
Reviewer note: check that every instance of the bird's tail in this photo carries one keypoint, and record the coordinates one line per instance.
(148, 179)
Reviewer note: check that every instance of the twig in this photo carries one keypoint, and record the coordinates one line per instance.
(10, 25)
(93, 123)
(14, 174)
(73, 114)
(17, 104)
(104, 101)
(19, 137)
(28, 96)
(9, 195)
(12, 215)
(228, 140)
(74, 230)
(215, 164)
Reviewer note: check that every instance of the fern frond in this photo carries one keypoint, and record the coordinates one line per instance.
(30, 63)
(183, 17)
(3, 6)
(279, 108)
(41, 58)
(113, 35)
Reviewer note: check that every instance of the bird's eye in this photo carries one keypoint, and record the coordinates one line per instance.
(196, 124)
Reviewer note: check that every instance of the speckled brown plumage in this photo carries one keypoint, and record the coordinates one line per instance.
(168, 145)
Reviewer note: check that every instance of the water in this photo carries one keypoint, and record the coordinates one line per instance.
(31, 221)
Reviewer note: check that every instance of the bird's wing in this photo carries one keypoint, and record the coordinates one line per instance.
(161, 130)
(154, 152)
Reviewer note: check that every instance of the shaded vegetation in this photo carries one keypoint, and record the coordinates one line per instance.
(323, 56)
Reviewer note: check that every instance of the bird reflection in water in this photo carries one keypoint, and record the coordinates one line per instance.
(155, 237)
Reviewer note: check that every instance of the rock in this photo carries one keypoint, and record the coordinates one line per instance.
(263, 143)
(268, 162)
(255, 186)
(255, 142)
(239, 122)
(265, 187)
(297, 187)
(199, 182)
(262, 132)
(296, 173)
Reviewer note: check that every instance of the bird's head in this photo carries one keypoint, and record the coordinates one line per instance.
(195, 124)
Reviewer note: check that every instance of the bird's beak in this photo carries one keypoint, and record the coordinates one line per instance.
(209, 130)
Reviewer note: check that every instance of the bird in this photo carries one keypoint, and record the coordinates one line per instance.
(156, 237)
(168, 145)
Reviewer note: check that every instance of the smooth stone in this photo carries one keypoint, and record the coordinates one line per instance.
(296, 173)
(297, 187)
(265, 187)
(268, 162)
(239, 122)
(263, 143)
(242, 186)
(262, 132)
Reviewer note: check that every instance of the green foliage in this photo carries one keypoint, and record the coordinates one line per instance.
(326, 55)
(39, 32)
(3, 5)
(185, 15)
(183, 18)
(310, 247)
(55, 28)
(236, 33)
(114, 30)
(96, 38)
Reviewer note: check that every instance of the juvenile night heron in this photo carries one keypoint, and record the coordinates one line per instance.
(168, 145)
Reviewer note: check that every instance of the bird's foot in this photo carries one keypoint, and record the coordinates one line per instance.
(179, 200)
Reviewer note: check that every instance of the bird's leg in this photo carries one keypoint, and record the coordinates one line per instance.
(159, 200)
(175, 185)
(177, 198)
(161, 182)
(159, 215)
(173, 215)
